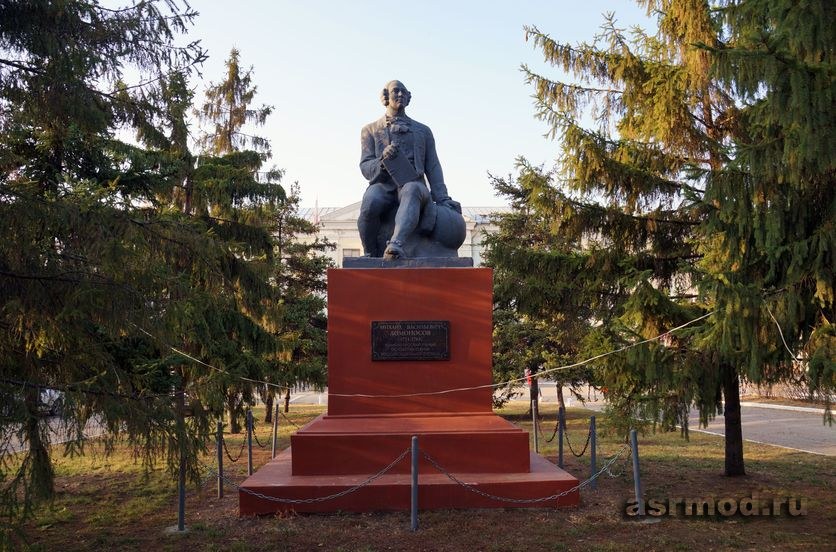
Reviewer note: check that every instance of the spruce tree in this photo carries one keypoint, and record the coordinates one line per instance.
(227, 109)
(296, 269)
(533, 329)
(221, 314)
(696, 175)
(300, 276)
(771, 269)
(81, 255)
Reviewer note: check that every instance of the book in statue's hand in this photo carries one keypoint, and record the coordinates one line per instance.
(400, 169)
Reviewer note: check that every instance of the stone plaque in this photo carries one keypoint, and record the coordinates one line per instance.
(411, 340)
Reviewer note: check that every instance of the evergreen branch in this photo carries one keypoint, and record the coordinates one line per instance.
(643, 218)
(252, 136)
(60, 277)
(146, 224)
(531, 77)
(179, 69)
(557, 117)
(20, 65)
(684, 257)
(74, 389)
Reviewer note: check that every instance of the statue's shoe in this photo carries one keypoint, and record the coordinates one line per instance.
(394, 250)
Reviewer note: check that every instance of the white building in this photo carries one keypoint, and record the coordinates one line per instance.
(339, 226)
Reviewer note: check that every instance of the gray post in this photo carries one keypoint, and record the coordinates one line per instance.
(414, 496)
(181, 498)
(593, 448)
(275, 430)
(181, 479)
(637, 482)
(561, 427)
(220, 459)
(534, 419)
(249, 442)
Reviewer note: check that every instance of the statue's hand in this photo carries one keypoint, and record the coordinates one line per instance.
(452, 204)
(390, 151)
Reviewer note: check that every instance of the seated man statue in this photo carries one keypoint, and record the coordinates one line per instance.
(398, 159)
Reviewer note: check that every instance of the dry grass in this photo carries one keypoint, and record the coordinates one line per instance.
(110, 504)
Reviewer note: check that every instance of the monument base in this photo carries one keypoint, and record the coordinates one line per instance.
(417, 262)
(436, 389)
(333, 454)
(391, 492)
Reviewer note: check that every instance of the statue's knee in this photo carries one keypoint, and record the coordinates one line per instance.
(374, 204)
(414, 190)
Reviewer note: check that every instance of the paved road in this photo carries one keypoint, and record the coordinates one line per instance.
(57, 433)
(785, 427)
(792, 427)
(310, 397)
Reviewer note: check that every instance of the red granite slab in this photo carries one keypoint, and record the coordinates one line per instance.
(392, 492)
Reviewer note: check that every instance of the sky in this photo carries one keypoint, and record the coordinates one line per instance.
(321, 64)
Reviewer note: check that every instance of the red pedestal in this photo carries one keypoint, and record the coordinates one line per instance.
(375, 407)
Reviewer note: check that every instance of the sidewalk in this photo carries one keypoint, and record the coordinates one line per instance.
(799, 428)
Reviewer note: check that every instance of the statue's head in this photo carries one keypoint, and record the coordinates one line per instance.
(392, 89)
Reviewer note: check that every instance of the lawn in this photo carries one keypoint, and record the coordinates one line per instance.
(110, 503)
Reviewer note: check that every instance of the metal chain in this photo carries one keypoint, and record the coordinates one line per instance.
(257, 442)
(228, 455)
(289, 420)
(623, 469)
(585, 446)
(207, 479)
(540, 430)
(350, 490)
(557, 496)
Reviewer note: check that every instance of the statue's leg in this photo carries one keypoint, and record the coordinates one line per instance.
(376, 200)
(412, 197)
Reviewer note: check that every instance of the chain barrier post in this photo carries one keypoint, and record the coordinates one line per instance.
(561, 427)
(275, 431)
(249, 442)
(593, 442)
(634, 446)
(220, 459)
(414, 494)
(181, 494)
(534, 420)
(181, 479)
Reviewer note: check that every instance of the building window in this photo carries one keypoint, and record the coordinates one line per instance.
(351, 252)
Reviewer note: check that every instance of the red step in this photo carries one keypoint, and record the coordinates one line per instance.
(391, 492)
(342, 445)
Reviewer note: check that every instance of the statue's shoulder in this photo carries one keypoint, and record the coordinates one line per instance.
(375, 126)
(420, 126)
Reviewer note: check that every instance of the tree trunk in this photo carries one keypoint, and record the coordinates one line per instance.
(560, 402)
(731, 414)
(268, 406)
(287, 400)
(39, 465)
(232, 410)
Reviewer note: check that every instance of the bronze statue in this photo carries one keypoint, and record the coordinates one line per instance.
(398, 159)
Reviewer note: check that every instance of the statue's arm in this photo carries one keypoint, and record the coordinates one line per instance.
(370, 164)
(432, 169)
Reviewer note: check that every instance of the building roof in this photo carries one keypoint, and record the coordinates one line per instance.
(479, 215)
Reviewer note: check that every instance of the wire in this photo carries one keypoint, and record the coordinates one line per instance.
(221, 370)
(781, 333)
(447, 391)
(523, 378)
(70, 389)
